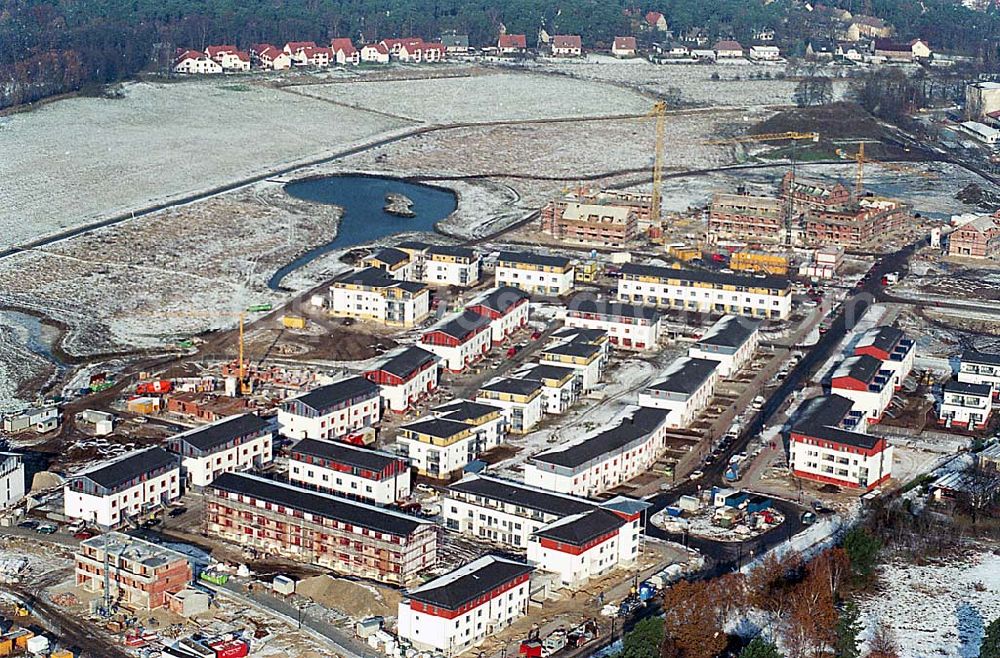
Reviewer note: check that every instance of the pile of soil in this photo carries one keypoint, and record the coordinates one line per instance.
(834, 121)
(358, 600)
(974, 195)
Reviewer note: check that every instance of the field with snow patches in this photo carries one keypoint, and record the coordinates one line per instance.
(484, 98)
(938, 610)
(73, 161)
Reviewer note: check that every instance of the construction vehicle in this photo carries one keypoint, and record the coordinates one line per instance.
(158, 387)
(531, 646)
(584, 634)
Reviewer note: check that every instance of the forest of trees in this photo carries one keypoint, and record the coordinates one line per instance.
(49, 47)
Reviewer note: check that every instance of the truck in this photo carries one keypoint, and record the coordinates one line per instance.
(259, 308)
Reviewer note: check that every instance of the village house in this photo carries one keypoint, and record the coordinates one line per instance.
(371, 294)
(560, 386)
(566, 45)
(535, 273)
(965, 405)
(375, 53)
(980, 368)
(867, 382)
(728, 49)
(979, 238)
(521, 398)
(849, 51)
(461, 341)
(512, 44)
(629, 327)
(675, 50)
(455, 44)
(624, 47)
(272, 58)
(890, 346)
(236, 443)
(229, 58)
(317, 56)
(406, 378)
(731, 341)
(507, 309)
(331, 411)
(114, 491)
(346, 536)
(868, 27)
(344, 52)
(194, 62)
(351, 471)
(764, 53)
(656, 21)
(685, 390)
(902, 52)
(139, 574)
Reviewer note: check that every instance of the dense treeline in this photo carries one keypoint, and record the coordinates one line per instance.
(48, 47)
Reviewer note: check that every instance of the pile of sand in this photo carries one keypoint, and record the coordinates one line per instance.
(354, 599)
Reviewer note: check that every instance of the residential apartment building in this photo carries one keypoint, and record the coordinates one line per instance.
(140, 575)
(397, 264)
(585, 352)
(331, 411)
(111, 492)
(580, 547)
(890, 346)
(560, 386)
(351, 471)
(460, 341)
(536, 274)
(685, 390)
(459, 610)
(507, 309)
(865, 380)
(824, 446)
(604, 460)
(343, 535)
(442, 265)
(522, 399)
(966, 405)
(12, 479)
(706, 292)
(405, 378)
(629, 327)
(236, 443)
(746, 217)
(373, 295)
(980, 368)
(979, 238)
(599, 224)
(454, 435)
(731, 341)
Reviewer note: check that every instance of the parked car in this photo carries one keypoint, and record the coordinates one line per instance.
(149, 523)
(177, 511)
(696, 475)
(31, 524)
(46, 528)
(84, 534)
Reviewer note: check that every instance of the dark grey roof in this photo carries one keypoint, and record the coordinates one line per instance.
(821, 416)
(533, 259)
(442, 428)
(578, 530)
(455, 40)
(546, 371)
(581, 335)
(130, 467)
(468, 583)
(863, 368)
(374, 277)
(415, 245)
(612, 308)
(966, 388)
(464, 325)
(408, 362)
(705, 276)
(345, 453)
(573, 348)
(217, 434)
(513, 386)
(502, 299)
(449, 250)
(465, 410)
(320, 504)
(516, 493)
(881, 338)
(837, 435)
(331, 395)
(391, 256)
(730, 331)
(973, 356)
(644, 421)
(686, 375)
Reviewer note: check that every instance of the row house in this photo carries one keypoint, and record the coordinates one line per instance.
(375, 53)
(460, 341)
(980, 368)
(685, 390)
(965, 405)
(865, 380)
(607, 459)
(705, 291)
(236, 443)
(890, 346)
(507, 309)
(455, 612)
(331, 411)
(522, 399)
(590, 223)
(346, 536)
(414, 50)
(584, 352)
(369, 294)
(344, 52)
(229, 58)
(979, 238)
(351, 471)
(139, 575)
(624, 47)
(113, 492)
(566, 45)
(584, 546)
(629, 326)
(195, 62)
(560, 386)
(535, 273)
(829, 445)
(406, 378)
(453, 436)
(512, 44)
(731, 341)
(270, 57)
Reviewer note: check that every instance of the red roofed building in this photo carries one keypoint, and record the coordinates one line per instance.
(656, 21)
(567, 45)
(344, 51)
(510, 44)
(507, 307)
(296, 49)
(375, 53)
(216, 52)
(624, 47)
(319, 56)
(229, 57)
(195, 62)
(728, 48)
(273, 59)
(434, 52)
(395, 45)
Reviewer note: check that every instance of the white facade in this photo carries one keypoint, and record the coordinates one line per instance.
(541, 275)
(524, 411)
(840, 463)
(440, 270)
(628, 327)
(367, 295)
(507, 309)
(966, 405)
(372, 475)
(456, 434)
(201, 470)
(871, 396)
(765, 53)
(687, 388)
(979, 368)
(731, 342)
(317, 415)
(374, 54)
(196, 63)
(459, 342)
(12, 485)
(560, 386)
(398, 398)
(234, 61)
(603, 542)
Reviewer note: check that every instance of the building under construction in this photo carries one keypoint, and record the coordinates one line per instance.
(608, 218)
(130, 572)
(807, 212)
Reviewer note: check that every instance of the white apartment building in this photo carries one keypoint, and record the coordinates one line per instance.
(507, 309)
(405, 378)
(460, 341)
(397, 264)
(764, 53)
(373, 295)
(109, 493)
(536, 274)
(331, 411)
(865, 381)
(966, 405)
(522, 399)
(12, 479)
(348, 470)
(442, 265)
(583, 546)
(457, 611)
(686, 389)
(892, 348)
(235, 443)
(605, 459)
(706, 292)
(629, 327)
(980, 368)
(560, 386)
(731, 341)
(490, 421)
(587, 358)
(445, 443)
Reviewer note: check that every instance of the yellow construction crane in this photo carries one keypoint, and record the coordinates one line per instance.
(859, 172)
(766, 137)
(660, 112)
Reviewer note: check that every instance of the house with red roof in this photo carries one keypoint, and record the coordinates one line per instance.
(415, 51)
(273, 59)
(319, 56)
(567, 45)
(434, 52)
(229, 57)
(656, 21)
(375, 53)
(512, 44)
(195, 62)
(624, 47)
(728, 49)
(344, 51)
(296, 49)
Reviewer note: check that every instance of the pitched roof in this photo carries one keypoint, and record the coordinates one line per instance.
(470, 582)
(705, 276)
(522, 495)
(653, 17)
(441, 428)
(686, 375)
(624, 43)
(373, 277)
(612, 308)
(513, 386)
(390, 256)
(214, 51)
(455, 40)
(892, 46)
(381, 49)
(464, 326)
(345, 453)
(331, 395)
(973, 356)
(342, 43)
(451, 250)
(827, 411)
(728, 44)
(730, 331)
(579, 529)
(129, 466)
(863, 368)
(299, 45)
(822, 418)
(528, 258)
(465, 410)
(547, 371)
(881, 338)
(189, 54)
(502, 299)
(567, 41)
(641, 423)
(408, 362)
(512, 41)
(572, 348)
(222, 431)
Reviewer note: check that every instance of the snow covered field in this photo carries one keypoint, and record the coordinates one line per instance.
(484, 98)
(76, 160)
